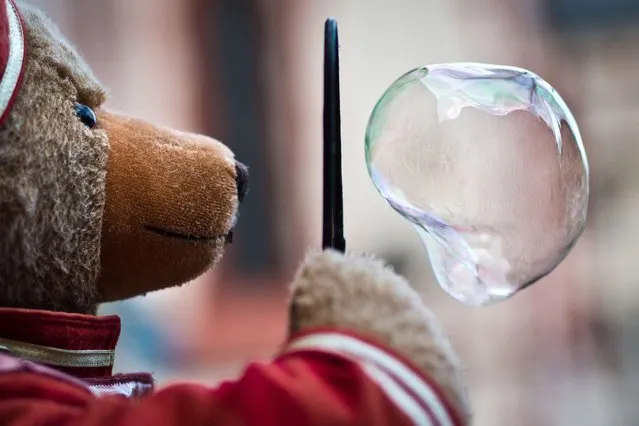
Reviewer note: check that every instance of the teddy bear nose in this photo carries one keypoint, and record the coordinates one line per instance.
(241, 180)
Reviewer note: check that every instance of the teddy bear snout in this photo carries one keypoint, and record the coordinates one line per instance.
(171, 205)
(241, 180)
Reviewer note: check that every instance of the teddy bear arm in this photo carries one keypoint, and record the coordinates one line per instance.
(297, 389)
(361, 296)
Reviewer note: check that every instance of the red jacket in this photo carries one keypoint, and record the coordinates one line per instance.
(322, 377)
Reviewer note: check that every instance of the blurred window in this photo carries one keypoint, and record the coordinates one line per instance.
(233, 109)
(569, 15)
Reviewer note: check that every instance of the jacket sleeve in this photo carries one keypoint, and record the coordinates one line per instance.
(320, 378)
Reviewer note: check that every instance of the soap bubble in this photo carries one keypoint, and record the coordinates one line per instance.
(488, 163)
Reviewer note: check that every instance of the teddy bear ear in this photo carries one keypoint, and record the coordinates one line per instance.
(12, 55)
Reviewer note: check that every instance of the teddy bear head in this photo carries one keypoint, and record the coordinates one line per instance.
(96, 206)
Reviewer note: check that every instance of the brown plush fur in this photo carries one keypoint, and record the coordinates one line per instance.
(361, 293)
(161, 181)
(58, 178)
(52, 179)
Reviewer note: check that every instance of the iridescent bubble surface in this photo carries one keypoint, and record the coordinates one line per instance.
(488, 164)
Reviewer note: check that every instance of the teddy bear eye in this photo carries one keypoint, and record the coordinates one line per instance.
(86, 115)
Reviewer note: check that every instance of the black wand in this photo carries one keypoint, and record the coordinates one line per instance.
(333, 205)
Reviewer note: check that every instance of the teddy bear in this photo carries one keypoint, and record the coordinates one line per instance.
(97, 206)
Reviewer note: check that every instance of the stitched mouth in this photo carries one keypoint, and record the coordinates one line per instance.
(190, 238)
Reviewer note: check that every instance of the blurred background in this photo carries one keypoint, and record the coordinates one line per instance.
(249, 72)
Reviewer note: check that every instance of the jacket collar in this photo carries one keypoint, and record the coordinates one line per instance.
(80, 345)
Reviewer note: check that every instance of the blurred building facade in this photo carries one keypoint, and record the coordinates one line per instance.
(564, 352)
